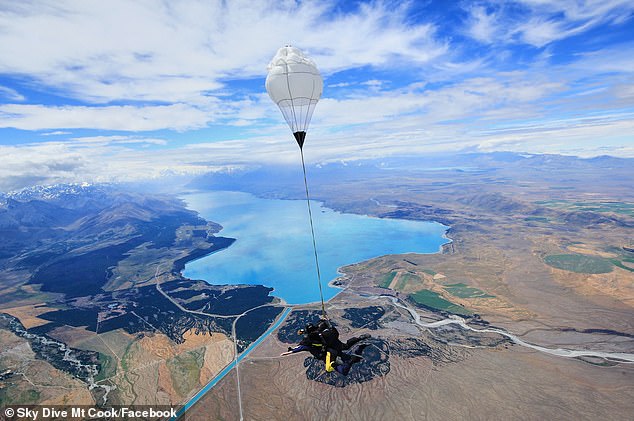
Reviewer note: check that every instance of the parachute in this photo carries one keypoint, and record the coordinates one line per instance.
(295, 85)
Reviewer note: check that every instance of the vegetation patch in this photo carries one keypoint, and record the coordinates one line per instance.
(579, 263)
(367, 317)
(405, 279)
(253, 324)
(612, 207)
(298, 319)
(464, 291)
(387, 279)
(624, 258)
(185, 370)
(432, 300)
(107, 367)
(229, 301)
(536, 219)
(10, 395)
(75, 317)
(620, 264)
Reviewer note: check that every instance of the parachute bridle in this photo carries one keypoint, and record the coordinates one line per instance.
(312, 232)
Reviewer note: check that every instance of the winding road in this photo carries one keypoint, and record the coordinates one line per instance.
(560, 352)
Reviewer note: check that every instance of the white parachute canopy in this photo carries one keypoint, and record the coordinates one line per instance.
(295, 85)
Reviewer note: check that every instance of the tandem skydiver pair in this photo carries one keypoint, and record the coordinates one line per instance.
(322, 341)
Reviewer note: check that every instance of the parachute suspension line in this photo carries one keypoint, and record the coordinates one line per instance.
(290, 94)
(312, 231)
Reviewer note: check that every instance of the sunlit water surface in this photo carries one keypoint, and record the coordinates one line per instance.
(273, 245)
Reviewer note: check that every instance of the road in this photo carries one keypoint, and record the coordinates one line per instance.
(560, 352)
(230, 366)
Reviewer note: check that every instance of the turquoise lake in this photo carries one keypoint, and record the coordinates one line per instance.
(273, 245)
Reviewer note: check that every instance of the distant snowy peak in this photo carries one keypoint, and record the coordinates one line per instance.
(57, 192)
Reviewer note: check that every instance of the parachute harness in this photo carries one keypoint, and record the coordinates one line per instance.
(312, 231)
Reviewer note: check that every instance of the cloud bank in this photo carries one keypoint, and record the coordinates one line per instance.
(98, 91)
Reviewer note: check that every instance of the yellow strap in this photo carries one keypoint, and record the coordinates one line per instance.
(329, 366)
(317, 344)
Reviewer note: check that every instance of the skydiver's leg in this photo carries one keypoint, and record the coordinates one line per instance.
(350, 342)
(345, 363)
(349, 360)
(343, 368)
(357, 354)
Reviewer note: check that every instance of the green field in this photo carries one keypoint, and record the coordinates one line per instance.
(108, 367)
(464, 291)
(614, 207)
(185, 370)
(404, 280)
(623, 257)
(619, 263)
(536, 219)
(433, 300)
(387, 279)
(579, 263)
(10, 395)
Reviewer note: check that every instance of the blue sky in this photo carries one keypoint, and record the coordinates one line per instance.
(124, 90)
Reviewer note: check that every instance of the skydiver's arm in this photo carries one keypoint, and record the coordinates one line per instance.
(298, 348)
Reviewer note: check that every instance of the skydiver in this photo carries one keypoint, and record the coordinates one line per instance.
(322, 341)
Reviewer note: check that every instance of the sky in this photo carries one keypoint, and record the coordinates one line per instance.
(120, 90)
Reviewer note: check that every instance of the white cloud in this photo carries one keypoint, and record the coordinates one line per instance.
(498, 97)
(125, 117)
(482, 25)
(45, 164)
(574, 136)
(176, 51)
(89, 160)
(618, 59)
(373, 83)
(339, 85)
(149, 66)
(519, 111)
(55, 133)
(540, 22)
(540, 32)
(11, 94)
(113, 140)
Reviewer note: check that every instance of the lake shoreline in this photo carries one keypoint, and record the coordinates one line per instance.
(385, 233)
